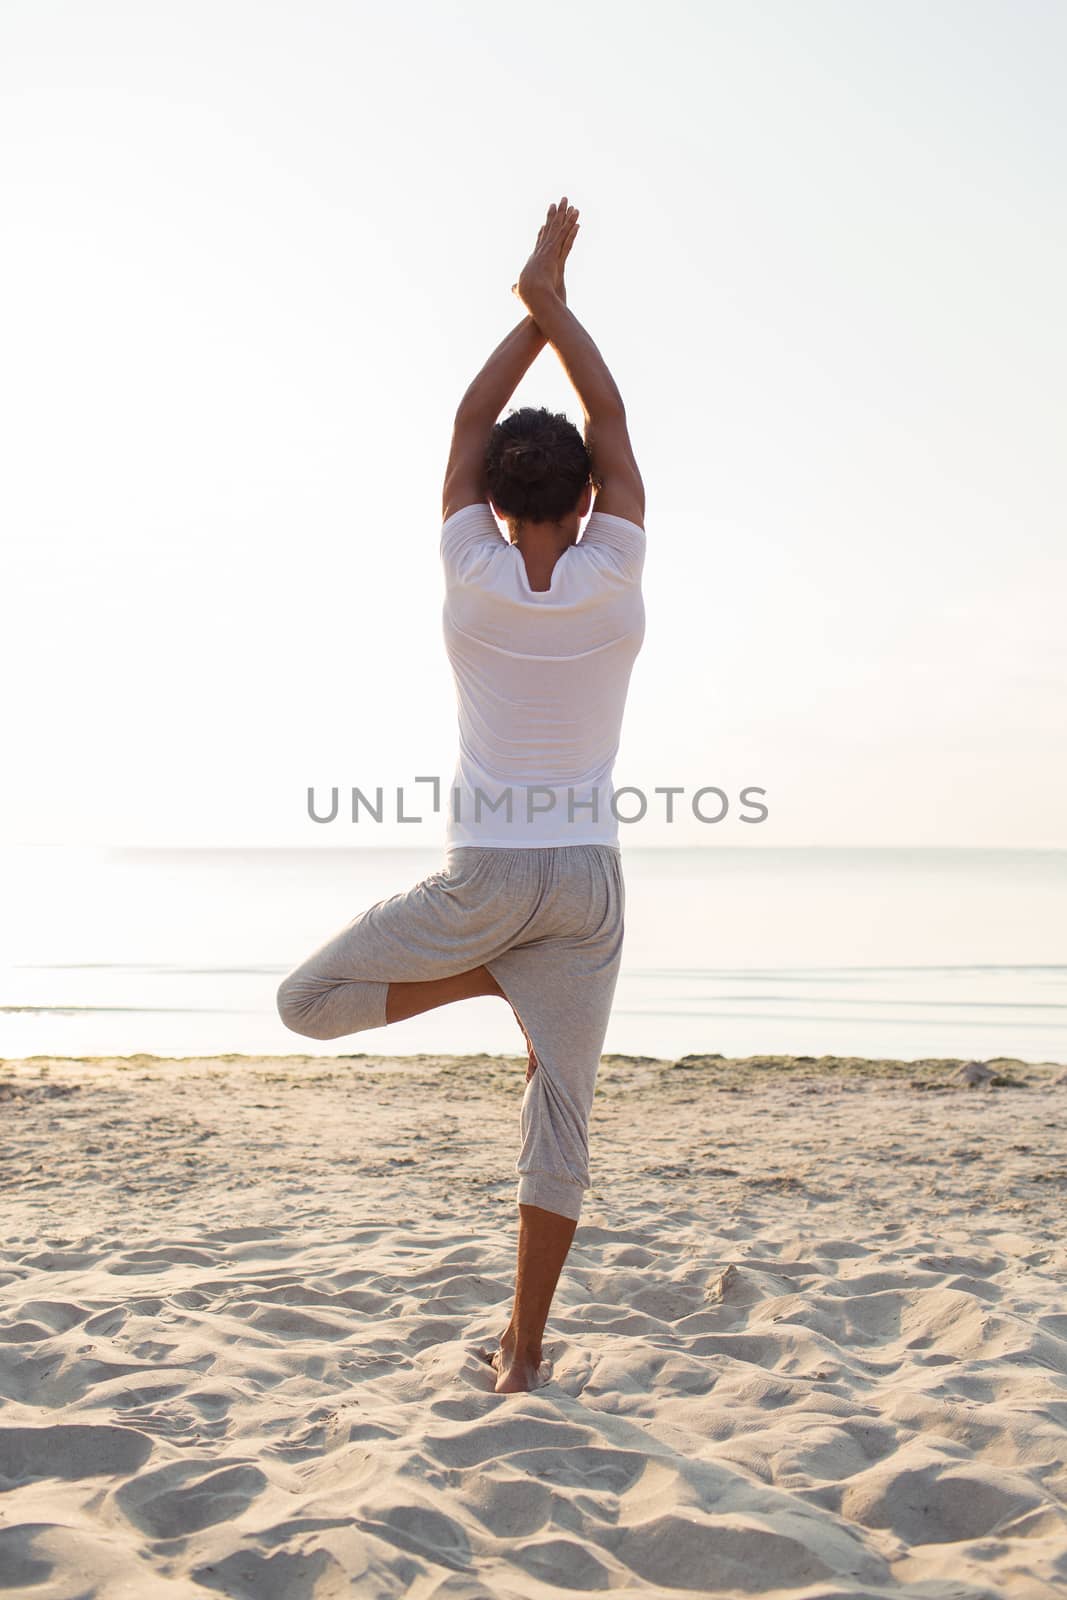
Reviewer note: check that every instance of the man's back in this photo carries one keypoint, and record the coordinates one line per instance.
(541, 679)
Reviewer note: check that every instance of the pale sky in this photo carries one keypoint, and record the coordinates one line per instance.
(254, 253)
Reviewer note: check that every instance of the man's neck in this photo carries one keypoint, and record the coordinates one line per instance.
(540, 545)
(544, 538)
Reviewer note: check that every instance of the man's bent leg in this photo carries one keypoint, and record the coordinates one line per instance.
(411, 999)
(321, 1007)
(329, 1008)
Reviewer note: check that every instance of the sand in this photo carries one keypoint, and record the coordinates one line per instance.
(811, 1339)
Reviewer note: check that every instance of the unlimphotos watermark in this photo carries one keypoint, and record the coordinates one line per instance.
(576, 805)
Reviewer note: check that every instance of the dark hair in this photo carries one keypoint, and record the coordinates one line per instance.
(536, 465)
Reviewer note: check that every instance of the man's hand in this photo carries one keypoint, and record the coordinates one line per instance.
(543, 272)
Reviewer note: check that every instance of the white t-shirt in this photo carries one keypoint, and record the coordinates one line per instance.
(541, 680)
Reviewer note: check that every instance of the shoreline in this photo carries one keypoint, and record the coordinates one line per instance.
(919, 1071)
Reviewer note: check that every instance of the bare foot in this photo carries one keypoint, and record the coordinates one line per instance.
(517, 1377)
(514, 1376)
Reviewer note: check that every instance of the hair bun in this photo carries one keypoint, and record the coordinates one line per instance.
(527, 462)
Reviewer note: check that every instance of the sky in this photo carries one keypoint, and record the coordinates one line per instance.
(254, 254)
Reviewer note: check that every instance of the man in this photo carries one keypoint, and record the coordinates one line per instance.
(541, 631)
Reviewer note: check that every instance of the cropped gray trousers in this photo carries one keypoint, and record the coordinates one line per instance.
(548, 923)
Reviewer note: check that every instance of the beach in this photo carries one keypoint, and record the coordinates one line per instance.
(810, 1340)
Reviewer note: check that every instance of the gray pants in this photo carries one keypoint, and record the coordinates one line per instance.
(548, 924)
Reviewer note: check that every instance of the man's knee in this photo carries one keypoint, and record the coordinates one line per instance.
(299, 1006)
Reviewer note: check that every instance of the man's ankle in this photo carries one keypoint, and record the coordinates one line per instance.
(528, 1350)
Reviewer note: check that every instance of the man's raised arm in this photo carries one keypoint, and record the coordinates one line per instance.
(620, 491)
(489, 392)
(483, 401)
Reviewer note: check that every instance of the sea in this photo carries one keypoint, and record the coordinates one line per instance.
(890, 953)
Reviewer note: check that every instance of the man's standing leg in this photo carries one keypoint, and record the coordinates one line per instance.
(544, 1240)
(561, 989)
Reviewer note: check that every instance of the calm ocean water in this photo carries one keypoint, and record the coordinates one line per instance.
(901, 953)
